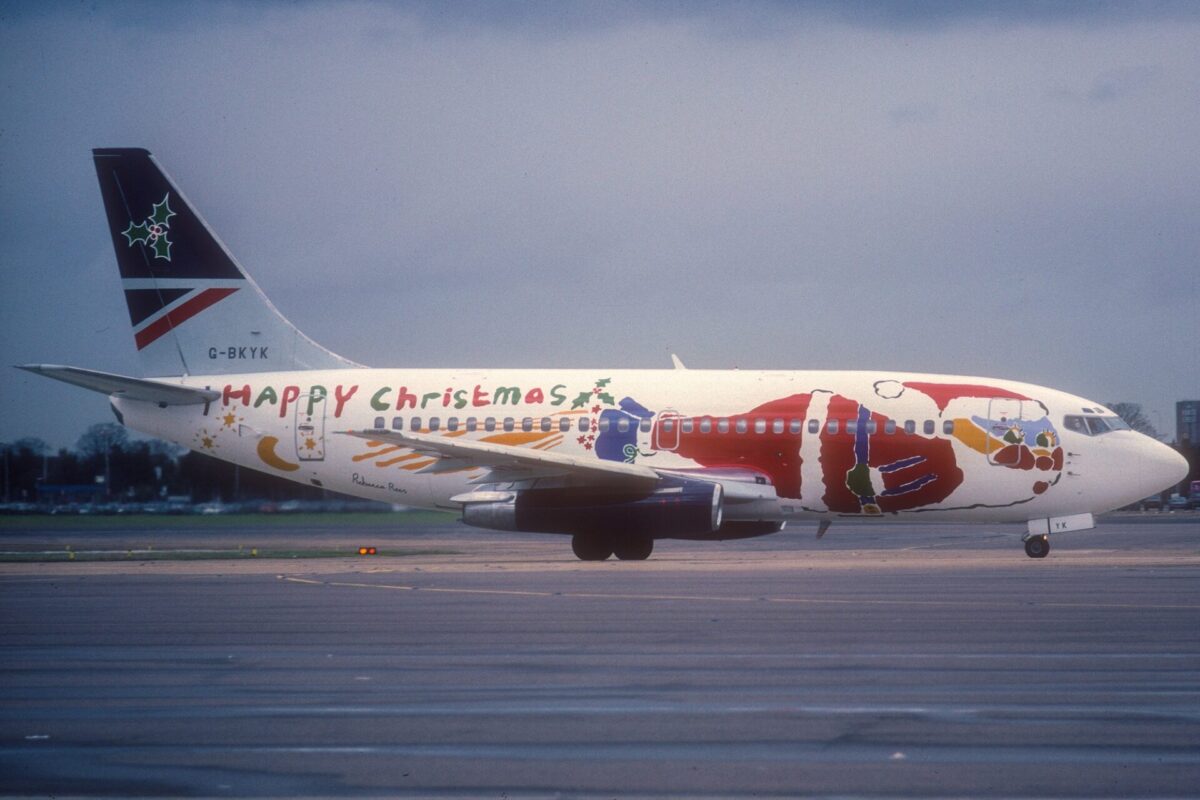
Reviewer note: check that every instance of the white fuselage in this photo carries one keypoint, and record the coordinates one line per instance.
(872, 444)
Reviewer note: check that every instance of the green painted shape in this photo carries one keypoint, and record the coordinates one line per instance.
(162, 212)
(161, 247)
(137, 233)
(858, 480)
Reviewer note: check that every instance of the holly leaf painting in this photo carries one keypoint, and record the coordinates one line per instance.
(600, 384)
(605, 397)
(137, 233)
(581, 400)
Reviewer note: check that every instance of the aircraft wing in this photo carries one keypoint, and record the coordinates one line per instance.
(163, 394)
(506, 460)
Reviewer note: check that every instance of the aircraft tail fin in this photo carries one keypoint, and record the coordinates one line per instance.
(193, 309)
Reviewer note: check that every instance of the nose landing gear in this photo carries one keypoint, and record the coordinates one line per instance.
(1037, 546)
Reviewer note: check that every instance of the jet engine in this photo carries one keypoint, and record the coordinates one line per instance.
(675, 508)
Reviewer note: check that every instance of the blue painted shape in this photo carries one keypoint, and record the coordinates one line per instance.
(611, 444)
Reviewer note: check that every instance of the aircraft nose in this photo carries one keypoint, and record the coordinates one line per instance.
(1162, 468)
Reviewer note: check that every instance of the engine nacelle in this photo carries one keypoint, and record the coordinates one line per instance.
(675, 508)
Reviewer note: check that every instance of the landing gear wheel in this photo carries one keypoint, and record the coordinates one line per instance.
(591, 548)
(1037, 546)
(633, 548)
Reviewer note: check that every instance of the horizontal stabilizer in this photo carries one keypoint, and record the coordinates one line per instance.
(164, 394)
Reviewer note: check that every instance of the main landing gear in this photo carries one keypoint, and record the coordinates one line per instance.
(1037, 546)
(598, 547)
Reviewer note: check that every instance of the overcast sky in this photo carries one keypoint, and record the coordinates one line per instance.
(923, 187)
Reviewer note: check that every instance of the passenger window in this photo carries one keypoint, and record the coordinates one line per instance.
(414, 424)
(546, 424)
(760, 425)
(564, 425)
(472, 423)
(379, 422)
(910, 426)
(872, 427)
(645, 425)
(831, 426)
(668, 425)
(623, 425)
(795, 425)
(852, 426)
(397, 423)
(509, 424)
(777, 426)
(584, 424)
(889, 427)
(452, 424)
(928, 427)
(740, 426)
(602, 426)
(722, 425)
(706, 425)
(948, 427)
(814, 426)
(527, 424)
(489, 424)
(434, 423)
(686, 426)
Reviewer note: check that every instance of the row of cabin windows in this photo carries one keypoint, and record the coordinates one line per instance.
(778, 426)
(686, 425)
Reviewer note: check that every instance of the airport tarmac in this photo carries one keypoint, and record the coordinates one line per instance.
(911, 660)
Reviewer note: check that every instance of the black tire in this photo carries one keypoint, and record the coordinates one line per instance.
(591, 548)
(1037, 546)
(633, 548)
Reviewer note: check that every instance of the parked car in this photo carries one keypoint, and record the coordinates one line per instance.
(1177, 502)
(1153, 502)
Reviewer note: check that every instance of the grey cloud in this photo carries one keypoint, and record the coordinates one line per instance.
(419, 191)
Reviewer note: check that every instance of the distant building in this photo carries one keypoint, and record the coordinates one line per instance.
(1187, 421)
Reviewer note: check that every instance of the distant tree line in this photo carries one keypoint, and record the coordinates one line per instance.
(106, 465)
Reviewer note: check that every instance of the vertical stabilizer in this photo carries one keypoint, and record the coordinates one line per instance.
(193, 309)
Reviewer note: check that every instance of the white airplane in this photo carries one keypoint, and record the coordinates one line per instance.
(616, 458)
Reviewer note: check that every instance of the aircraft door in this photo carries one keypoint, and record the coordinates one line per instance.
(666, 430)
(1004, 422)
(310, 427)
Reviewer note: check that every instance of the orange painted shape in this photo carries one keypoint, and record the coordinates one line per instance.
(975, 437)
(517, 438)
(397, 460)
(384, 451)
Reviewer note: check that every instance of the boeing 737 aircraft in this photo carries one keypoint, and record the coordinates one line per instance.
(616, 458)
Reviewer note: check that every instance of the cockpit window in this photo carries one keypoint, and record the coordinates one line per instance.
(1092, 425)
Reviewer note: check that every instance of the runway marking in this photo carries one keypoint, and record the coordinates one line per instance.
(734, 598)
